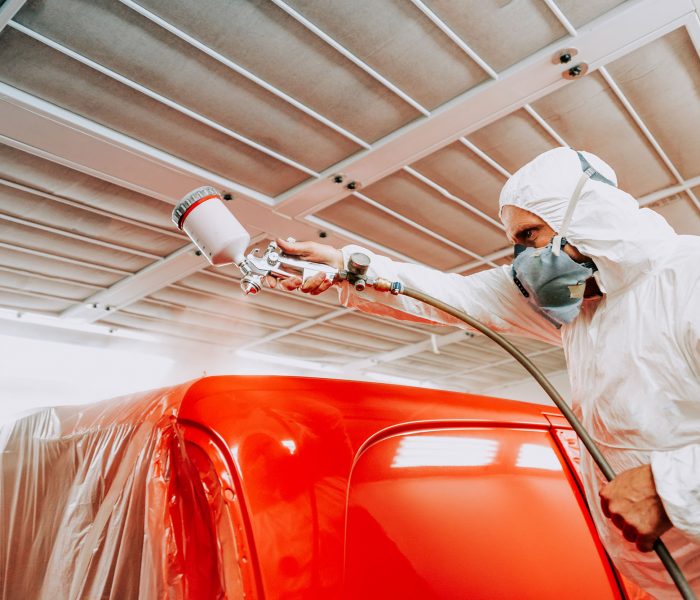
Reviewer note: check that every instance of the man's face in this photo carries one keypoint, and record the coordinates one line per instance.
(522, 227)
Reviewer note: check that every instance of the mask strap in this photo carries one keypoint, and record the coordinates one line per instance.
(556, 240)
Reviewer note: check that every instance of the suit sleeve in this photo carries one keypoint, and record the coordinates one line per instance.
(677, 472)
(489, 296)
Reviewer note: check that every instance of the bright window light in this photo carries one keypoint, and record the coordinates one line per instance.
(444, 451)
(536, 456)
(38, 373)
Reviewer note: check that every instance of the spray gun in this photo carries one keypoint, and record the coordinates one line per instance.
(203, 215)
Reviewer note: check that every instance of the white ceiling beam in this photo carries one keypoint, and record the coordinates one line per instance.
(8, 10)
(296, 328)
(430, 344)
(65, 259)
(297, 16)
(421, 228)
(615, 34)
(49, 131)
(561, 17)
(546, 126)
(227, 62)
(645, 131)
(77, 236)
(92, 209)
(450, 196)
(40, 128)
(457, 40)
(669, 191)
(485, 157)
(693, 26)
(161, 99)
(484, 367)
(173, 267)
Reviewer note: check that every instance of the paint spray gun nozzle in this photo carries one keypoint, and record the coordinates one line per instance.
(204, 217)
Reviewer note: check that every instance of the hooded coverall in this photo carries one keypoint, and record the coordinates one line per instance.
(633, 355)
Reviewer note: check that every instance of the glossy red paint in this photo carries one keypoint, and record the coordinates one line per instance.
(469, 513)
(300, 456)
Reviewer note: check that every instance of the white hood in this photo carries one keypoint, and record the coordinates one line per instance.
(607, 225)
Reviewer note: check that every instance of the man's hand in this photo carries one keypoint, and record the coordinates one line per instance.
(313, 252)
(632, 503)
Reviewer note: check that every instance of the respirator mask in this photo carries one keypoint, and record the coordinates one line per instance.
(549, 278)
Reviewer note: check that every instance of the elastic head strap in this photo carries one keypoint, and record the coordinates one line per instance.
(588, 173)
(556, 240)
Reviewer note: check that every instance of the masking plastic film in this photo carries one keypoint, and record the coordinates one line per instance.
(104, 501)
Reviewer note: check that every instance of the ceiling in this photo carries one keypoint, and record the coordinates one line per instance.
(112, 110)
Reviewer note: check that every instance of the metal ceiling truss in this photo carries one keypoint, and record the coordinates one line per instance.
(65, 259)
(98, 211)
(8, 10)
(160, 98)
(63, 137)
(619, 32)
(242, 71)
(690, 23)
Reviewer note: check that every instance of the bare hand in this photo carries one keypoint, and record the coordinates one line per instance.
(634, 506)
(313, 252)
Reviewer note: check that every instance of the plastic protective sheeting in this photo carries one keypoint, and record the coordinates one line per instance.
(103, 501)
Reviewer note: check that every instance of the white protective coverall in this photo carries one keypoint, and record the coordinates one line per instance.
(633, 355)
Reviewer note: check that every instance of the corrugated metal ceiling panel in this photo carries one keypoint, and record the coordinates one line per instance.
(263, 39)
(410, 197)
(680, 213)
(46, 265)
(36, 239)
(662, 81)
(44, 72)
(580, 13)
(52, 178)
(502, 33)
(22, 205)
(122, 40)
(465, 175)
(589, 117)
(513, 140)
(397, 40)
(358, 217)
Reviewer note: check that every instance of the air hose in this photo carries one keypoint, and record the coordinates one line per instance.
(659, 547)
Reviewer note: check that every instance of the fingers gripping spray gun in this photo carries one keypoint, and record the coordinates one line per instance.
(203, 215)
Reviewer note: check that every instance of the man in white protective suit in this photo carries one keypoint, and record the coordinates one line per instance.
(620, 291)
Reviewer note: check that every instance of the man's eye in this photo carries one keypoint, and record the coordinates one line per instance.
(528, 233)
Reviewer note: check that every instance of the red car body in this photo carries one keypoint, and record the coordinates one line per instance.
(340, 489)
